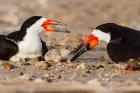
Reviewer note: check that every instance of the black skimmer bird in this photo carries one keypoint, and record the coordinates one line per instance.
(26, 43)
(123, 44)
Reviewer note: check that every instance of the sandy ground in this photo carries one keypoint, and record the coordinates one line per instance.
(90, 73)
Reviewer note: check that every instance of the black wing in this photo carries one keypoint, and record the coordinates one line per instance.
(44, 48)
(7, 48)
(17, 35)
(127, 35)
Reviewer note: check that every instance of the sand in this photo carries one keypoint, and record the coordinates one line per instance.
(90, 73)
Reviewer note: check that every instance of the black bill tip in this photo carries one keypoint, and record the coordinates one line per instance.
(81, 50)
(61, 23)
(62, 30)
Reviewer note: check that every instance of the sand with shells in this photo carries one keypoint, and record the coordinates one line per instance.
(90, 73)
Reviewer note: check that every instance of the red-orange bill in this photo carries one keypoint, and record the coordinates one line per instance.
(90, 42)
(53, 22)
(48, 26)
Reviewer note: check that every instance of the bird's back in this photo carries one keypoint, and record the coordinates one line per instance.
(16, 36)
(126, 46)
(7, 48)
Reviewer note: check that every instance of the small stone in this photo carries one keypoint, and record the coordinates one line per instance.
(21, 73)
(81, 69)
(57, 55)
(53, 55)
(39, 80)
(64, 53)
(7, 66)
(25, 77)
(47, 77)
(88, 71)
(58, 76)
(41, 65)
(121, 66)
(22, 65)
(100, 66)
(69, 60)
(49, 80)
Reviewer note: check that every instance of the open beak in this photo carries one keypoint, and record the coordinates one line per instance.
(90, 42)
(50, 26)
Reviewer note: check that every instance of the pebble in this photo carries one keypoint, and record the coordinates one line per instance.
(25, 77)
(7, 66)
(48, 77)
(39, 80)
(64, 53)
(81, 69)
(41, 65)
(57, 55)
(53, 55)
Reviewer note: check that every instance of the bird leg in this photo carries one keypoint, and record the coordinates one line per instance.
(130, 68)
(124, 68)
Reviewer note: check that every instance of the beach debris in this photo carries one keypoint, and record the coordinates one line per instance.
(7, 66)
(25, 76)
(39, 80)
(81, 69)
(57, 55)
(41, 65)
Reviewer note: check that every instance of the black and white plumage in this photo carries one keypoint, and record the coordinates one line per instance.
(7, 48)
(123, 43)
(26, 43)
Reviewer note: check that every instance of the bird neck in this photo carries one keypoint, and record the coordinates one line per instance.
(102, 36)
(31, 36)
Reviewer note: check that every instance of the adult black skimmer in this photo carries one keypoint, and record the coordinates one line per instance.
(26, 43)
(123, 44)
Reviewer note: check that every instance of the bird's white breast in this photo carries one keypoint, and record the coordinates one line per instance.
(30, 47)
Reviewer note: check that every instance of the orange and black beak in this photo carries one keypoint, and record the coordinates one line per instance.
(90, 42)
(50, 26)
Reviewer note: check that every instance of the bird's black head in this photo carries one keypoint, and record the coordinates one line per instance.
(100, 33)
(37, 24)
(29, 22)
(107, 27)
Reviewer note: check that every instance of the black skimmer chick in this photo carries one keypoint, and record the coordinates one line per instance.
(123, 44)
(26, 43)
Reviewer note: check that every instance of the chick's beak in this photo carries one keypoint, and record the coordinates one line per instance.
(90, 42)
(49, 26)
